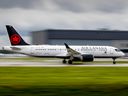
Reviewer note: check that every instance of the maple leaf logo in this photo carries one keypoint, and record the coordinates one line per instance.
(15, 39)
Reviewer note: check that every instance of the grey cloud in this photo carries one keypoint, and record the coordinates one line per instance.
(71, 5)
(31, 15)
(112, 6)
(68, 5)
(79, 14)
(16, 3)
(92, 5)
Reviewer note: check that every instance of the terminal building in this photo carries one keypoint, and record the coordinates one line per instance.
(81, 37)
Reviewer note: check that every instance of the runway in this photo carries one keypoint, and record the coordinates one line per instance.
(37, 64)
(58, 63)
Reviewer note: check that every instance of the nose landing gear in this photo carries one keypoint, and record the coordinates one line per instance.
(114, 60)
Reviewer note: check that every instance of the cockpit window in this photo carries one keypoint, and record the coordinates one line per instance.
(118, 50)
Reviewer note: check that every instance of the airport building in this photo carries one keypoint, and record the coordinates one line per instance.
(81, 37)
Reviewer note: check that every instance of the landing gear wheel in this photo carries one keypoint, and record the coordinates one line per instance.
(64, 61)
(69, 61)
(114, 62)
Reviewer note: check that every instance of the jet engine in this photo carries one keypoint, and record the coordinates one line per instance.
(84, 58)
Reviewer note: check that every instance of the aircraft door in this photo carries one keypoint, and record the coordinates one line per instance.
(32, 51)
(111, 51)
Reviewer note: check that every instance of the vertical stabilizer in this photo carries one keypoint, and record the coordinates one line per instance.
(14, 37)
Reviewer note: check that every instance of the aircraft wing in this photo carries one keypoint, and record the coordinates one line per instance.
(71, 51)
(64, 55)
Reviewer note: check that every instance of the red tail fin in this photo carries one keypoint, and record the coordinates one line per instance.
(14, 37)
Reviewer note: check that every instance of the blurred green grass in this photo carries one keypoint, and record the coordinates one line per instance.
(61, 81)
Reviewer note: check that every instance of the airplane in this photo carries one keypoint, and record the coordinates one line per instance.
(71, 53)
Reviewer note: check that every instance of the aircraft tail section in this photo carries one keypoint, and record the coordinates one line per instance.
(14, 37)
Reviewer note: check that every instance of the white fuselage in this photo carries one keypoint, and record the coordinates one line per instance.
(61, 51)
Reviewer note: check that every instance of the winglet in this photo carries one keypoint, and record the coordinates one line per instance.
(70, 50)
(66, 45)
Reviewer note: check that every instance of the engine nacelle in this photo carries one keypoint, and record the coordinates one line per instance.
(84, 58)
(87, 57)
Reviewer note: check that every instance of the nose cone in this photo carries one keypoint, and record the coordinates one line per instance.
(122, 54)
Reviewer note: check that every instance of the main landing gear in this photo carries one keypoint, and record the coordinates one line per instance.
(64, 61)
(69, 61)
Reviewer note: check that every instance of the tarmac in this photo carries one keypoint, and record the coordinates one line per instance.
(58, 63)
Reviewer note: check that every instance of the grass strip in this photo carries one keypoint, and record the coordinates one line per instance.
(61, 81)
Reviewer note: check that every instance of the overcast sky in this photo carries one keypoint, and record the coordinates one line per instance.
(29, 15)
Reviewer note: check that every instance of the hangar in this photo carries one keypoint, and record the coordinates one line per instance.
(115, 38)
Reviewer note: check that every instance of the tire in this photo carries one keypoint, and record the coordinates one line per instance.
(64, 61)
(69, 61)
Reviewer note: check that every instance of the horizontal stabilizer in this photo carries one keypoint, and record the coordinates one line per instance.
(15, 48)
